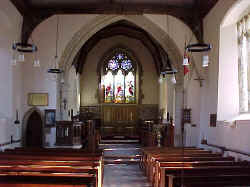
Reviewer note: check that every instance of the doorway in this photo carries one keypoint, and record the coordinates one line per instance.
(34, 130)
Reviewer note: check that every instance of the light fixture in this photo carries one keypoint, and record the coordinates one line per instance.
(199, 47)
(54, 69)
(168, 70)
(205, 61)
(19, 49)
(173, 80)
(36, 63)
(161, 79)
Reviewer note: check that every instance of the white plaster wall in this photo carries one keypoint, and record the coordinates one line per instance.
(37, 79)
(44, 36)
(193, 101)
(223, 135)
(10, 77)
(89, 77)
(228, 76)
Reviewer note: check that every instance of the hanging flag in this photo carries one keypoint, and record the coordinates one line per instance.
(186, 70)
(185, 59)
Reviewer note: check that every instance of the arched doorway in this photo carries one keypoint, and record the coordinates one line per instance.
(34, 131)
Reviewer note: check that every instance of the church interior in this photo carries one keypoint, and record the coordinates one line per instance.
(107, 93)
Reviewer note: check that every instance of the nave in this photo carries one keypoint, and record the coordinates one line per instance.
(121, 166)
(170, 76)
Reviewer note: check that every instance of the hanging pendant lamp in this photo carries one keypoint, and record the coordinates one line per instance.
(55, 67)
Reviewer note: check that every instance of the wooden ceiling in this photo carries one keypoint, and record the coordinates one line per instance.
(190, 12)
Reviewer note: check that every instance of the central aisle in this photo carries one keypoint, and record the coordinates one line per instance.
(122, 166)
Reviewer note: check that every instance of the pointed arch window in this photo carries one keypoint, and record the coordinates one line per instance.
(119, 73)
(243, 28)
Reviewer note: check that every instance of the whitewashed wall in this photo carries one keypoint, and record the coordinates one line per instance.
(10, 77)
(223, 64)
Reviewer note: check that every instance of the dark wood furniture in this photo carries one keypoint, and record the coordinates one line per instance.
(119, 119)
(192, 167)
(50, 167)
(68, 133)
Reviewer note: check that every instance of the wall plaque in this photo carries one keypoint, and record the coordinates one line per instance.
(38, 99)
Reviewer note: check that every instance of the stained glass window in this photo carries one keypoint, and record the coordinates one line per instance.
(130, 88)
(119, 87)
(108, 86)
(119, 79)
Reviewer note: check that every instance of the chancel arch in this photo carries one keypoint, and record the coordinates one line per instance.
(82, 36)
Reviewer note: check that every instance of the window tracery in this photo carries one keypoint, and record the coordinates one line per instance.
(119, 73)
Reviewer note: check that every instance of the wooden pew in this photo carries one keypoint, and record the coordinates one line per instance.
(202, 173)
(52, 150)
(156, 164)
(86, 169)
(175, 153)
(209, 180)
(149, 150)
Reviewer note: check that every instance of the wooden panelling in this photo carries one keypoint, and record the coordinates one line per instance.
(120, 119)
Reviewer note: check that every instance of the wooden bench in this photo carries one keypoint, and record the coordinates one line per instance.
(209, 180)
(46, 168)
(165, 166)
(150, 150)
(172, 174)
(156, 164)
(207, 175)
(151, 157)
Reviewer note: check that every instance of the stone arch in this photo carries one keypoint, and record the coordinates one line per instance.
(234, 13)
(163, 38)
(102, 21)
(25, 123)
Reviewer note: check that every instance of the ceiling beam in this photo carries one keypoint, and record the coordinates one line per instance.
(30, 18)
(21, 6)
(34, 15)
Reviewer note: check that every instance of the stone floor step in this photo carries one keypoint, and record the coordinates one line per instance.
(119, 141)
(114, 162)
(123, 157)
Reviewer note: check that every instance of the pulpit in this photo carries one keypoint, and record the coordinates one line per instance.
(68, 133)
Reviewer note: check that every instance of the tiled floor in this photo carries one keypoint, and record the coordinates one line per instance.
(123, 175)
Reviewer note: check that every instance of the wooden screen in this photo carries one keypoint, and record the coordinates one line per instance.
(119, 120)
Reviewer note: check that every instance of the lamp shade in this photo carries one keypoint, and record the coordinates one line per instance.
(185, 61)
(205, 61)
(173, 80)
